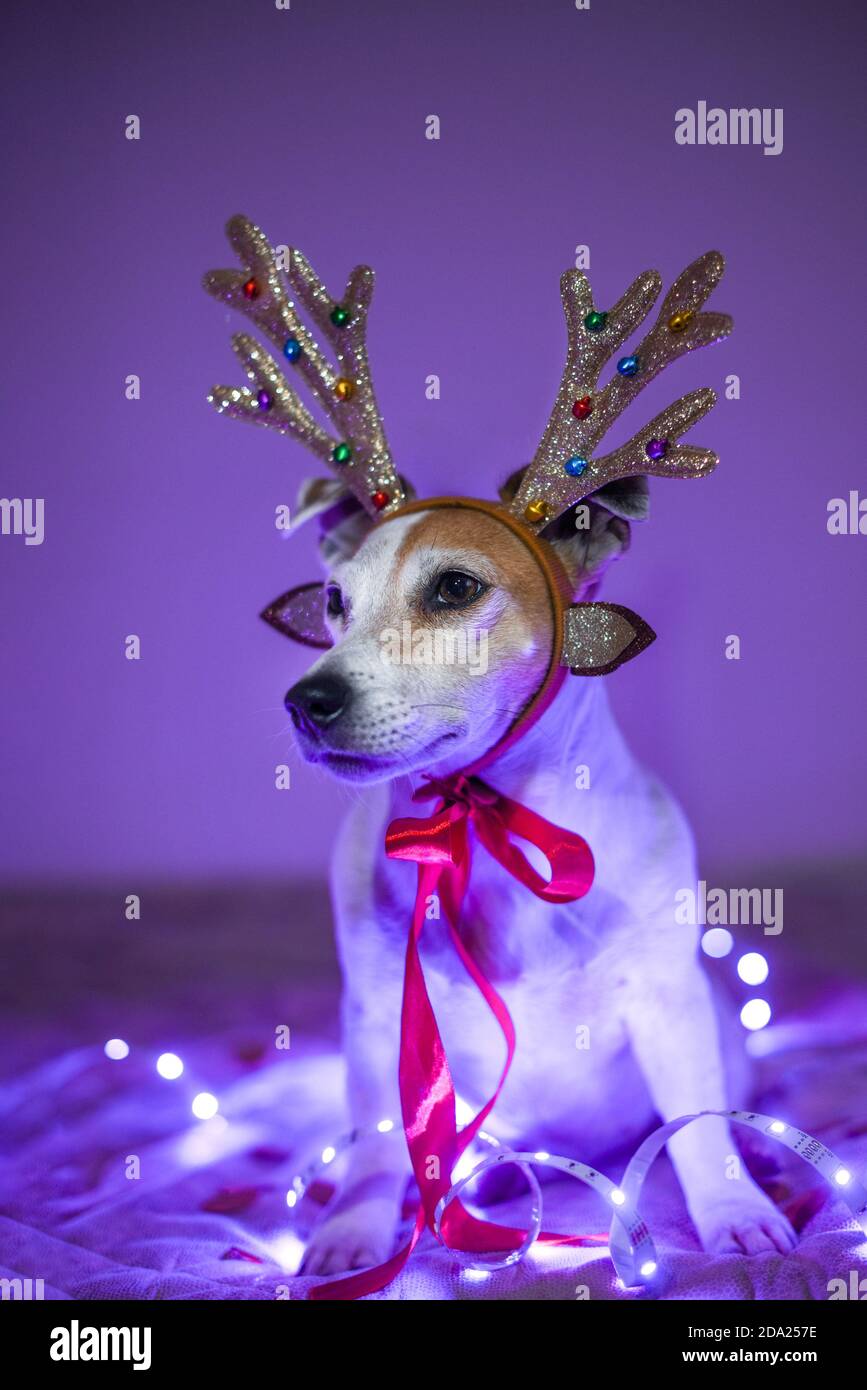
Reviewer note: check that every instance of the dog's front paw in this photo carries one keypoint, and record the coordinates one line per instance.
(353, 1238)
(743, 1222)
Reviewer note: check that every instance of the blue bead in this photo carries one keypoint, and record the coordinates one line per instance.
(292, 349)
(628, 366)
(575, 466)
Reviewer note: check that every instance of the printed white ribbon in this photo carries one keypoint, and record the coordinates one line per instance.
(630, 1243)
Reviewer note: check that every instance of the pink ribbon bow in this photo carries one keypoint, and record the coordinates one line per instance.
(440, 845)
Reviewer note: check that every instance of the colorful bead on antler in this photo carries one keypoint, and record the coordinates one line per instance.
(358, 451)
(564, 469)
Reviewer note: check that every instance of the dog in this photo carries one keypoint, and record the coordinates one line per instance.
(613, 965)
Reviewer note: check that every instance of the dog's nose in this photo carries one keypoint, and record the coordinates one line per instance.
(317, 700)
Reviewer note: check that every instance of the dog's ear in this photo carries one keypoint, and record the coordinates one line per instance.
(343, 522)
(596, 531)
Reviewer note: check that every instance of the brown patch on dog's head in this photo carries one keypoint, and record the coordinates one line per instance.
(507, 560)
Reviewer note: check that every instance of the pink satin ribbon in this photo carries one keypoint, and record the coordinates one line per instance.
(440, 845)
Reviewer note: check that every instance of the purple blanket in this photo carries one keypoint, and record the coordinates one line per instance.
(111, 1188)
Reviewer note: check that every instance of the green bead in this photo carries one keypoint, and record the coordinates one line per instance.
(595, 321)
(342, 454)
(339, 316)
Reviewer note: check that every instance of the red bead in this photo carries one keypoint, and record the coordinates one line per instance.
(581, 409)
(251, 289)
(380, 500)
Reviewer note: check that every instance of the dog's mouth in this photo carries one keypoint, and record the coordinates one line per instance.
(354, 764)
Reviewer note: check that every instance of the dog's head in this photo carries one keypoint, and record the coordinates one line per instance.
(442, 630)
(442, 619)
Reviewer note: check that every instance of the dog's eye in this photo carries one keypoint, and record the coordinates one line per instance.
(333, 601)
(454, 589)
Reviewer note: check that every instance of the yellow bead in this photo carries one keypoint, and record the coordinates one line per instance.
(344, 389)
(678, 322)
(537, 510)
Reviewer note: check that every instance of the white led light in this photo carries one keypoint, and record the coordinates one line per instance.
(291, 1198)
(618, 1197)
(466, 1163)
(463, 1111)
(648, 1268)
(542, 1156)
(170, 1066)
(385, 1126)
(753, 968)
(778, 1127)
(288, 1252)
(717, 942)
(329, 1154)
(842, 1177)
(205, 1106)
(116, 1049)
(756, 1013)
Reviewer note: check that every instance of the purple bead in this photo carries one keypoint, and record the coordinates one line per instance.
(264, 400)
(656, 448)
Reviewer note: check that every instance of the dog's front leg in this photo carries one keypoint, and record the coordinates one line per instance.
(359, 1226)
(674, 1030)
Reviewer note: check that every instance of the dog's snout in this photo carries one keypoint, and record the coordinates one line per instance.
(318, 700)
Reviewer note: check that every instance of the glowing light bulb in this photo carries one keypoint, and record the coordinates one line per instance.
(618, 1197)
(385, 1126)
(648, 1268)
(291, 1198)
(753, 968)
(842, 1177)
(205, 1106)
(717, 942)
(465, 1164)
(170, 1066)
(778, 1127)
(542, 1156)
(463, 1111)
(116, 1049)
(288, 1252)
(329, 1154)
(756, 1013)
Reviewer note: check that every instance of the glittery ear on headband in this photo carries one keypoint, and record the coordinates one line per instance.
(300, 614)
(357, 451)
(599, 637)
(564, 469)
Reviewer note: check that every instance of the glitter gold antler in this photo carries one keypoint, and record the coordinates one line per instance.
(358, 452)
(564, 469)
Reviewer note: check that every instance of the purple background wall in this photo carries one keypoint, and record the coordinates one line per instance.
(557, 129)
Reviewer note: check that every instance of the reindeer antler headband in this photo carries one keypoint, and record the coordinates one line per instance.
(591, 638)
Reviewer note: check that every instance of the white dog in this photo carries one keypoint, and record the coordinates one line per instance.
(614, 964)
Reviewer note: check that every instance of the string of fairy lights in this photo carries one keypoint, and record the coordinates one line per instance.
(631, 1246)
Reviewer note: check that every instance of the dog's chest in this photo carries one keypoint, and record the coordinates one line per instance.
(557, 972)
(571, 1045)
